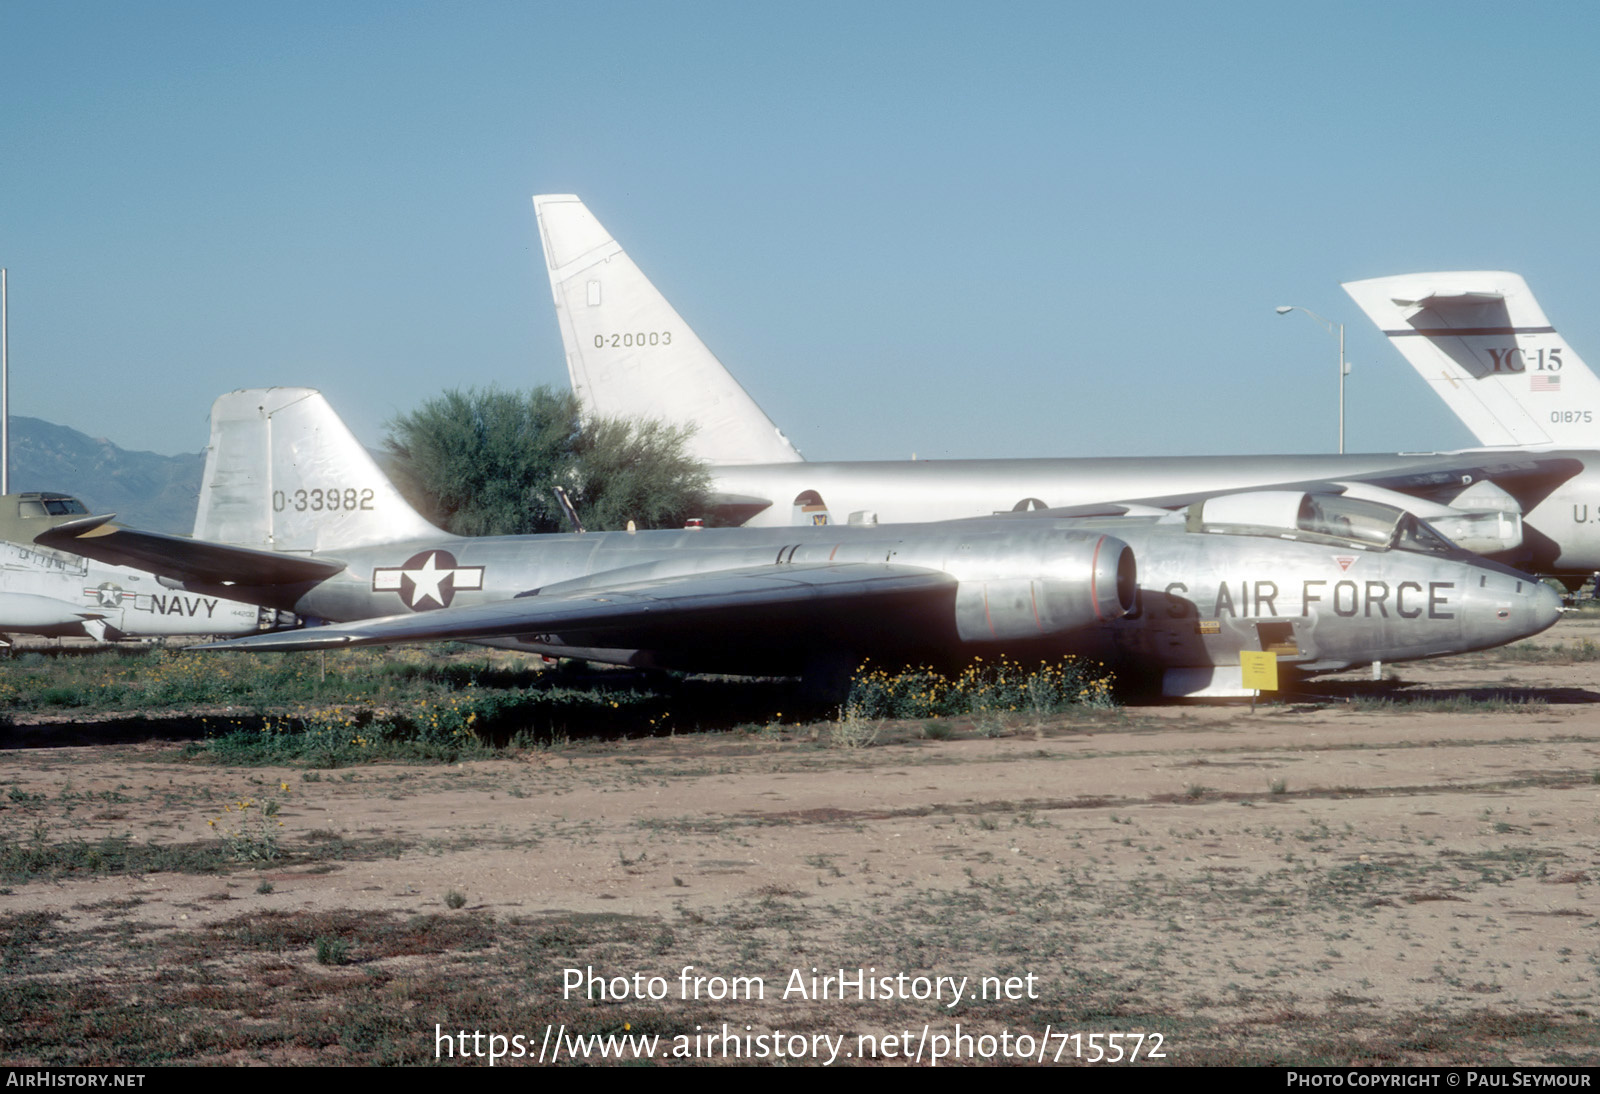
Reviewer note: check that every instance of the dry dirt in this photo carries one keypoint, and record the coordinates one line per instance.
(1319, 882)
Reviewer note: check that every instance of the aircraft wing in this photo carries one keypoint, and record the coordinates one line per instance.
(183, 559)
(1527, 477)
(646, 613)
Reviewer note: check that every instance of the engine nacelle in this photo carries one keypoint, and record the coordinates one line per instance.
(1078, 580)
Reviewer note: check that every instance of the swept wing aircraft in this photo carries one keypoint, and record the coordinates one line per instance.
(295, 515)
(629, 354)
(52, 593)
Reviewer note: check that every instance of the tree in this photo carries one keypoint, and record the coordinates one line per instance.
(636, 471)
(485, 463)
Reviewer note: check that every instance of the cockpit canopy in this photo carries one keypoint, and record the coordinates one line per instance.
(37, 503)
(1297, 515)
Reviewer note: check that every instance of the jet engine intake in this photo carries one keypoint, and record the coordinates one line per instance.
(1094, 580)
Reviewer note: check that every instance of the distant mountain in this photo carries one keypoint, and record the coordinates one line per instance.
(145, 490)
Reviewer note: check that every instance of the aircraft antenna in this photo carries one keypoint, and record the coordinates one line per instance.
(569, 511)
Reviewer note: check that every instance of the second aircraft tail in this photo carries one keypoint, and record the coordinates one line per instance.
(630, 355)
(1482, 342)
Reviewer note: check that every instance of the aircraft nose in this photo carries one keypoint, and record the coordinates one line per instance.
(1546, 608)
(1536, 609)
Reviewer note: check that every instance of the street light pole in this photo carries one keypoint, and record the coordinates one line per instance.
(5, 387)
(1344, 367)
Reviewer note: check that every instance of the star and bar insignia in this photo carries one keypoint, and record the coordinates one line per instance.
(428, 580)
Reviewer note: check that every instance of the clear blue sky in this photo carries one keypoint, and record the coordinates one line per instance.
(1026, 230)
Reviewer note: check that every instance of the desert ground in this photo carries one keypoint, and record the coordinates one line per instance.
(1394, 873)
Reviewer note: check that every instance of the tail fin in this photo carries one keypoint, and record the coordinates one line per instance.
(283, 473)
(629, 353)
(1480, 339)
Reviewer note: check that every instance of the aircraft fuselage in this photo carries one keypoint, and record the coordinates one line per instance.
(1031, 586)
(1561, 515)
(56, 594)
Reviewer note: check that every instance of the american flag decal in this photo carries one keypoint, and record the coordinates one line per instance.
(1541, 382)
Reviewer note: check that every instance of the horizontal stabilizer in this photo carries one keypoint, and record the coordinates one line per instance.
(182, 559)
(21, 611)
(641, 613)
(735, 509)
(1449, 301)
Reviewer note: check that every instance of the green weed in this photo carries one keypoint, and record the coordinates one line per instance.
(1585, 649)
(333, 951)
(855, 729)
(1506, 702)
(248, 828)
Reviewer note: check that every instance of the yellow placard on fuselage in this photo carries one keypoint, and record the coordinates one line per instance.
(1258, 670)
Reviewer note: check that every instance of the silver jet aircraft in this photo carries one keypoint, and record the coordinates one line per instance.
(52, 593)
(294, 514)
(630, 355)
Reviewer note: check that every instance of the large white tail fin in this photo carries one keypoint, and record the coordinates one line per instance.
(630, 355)
(1483, 343)
(284, 473)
